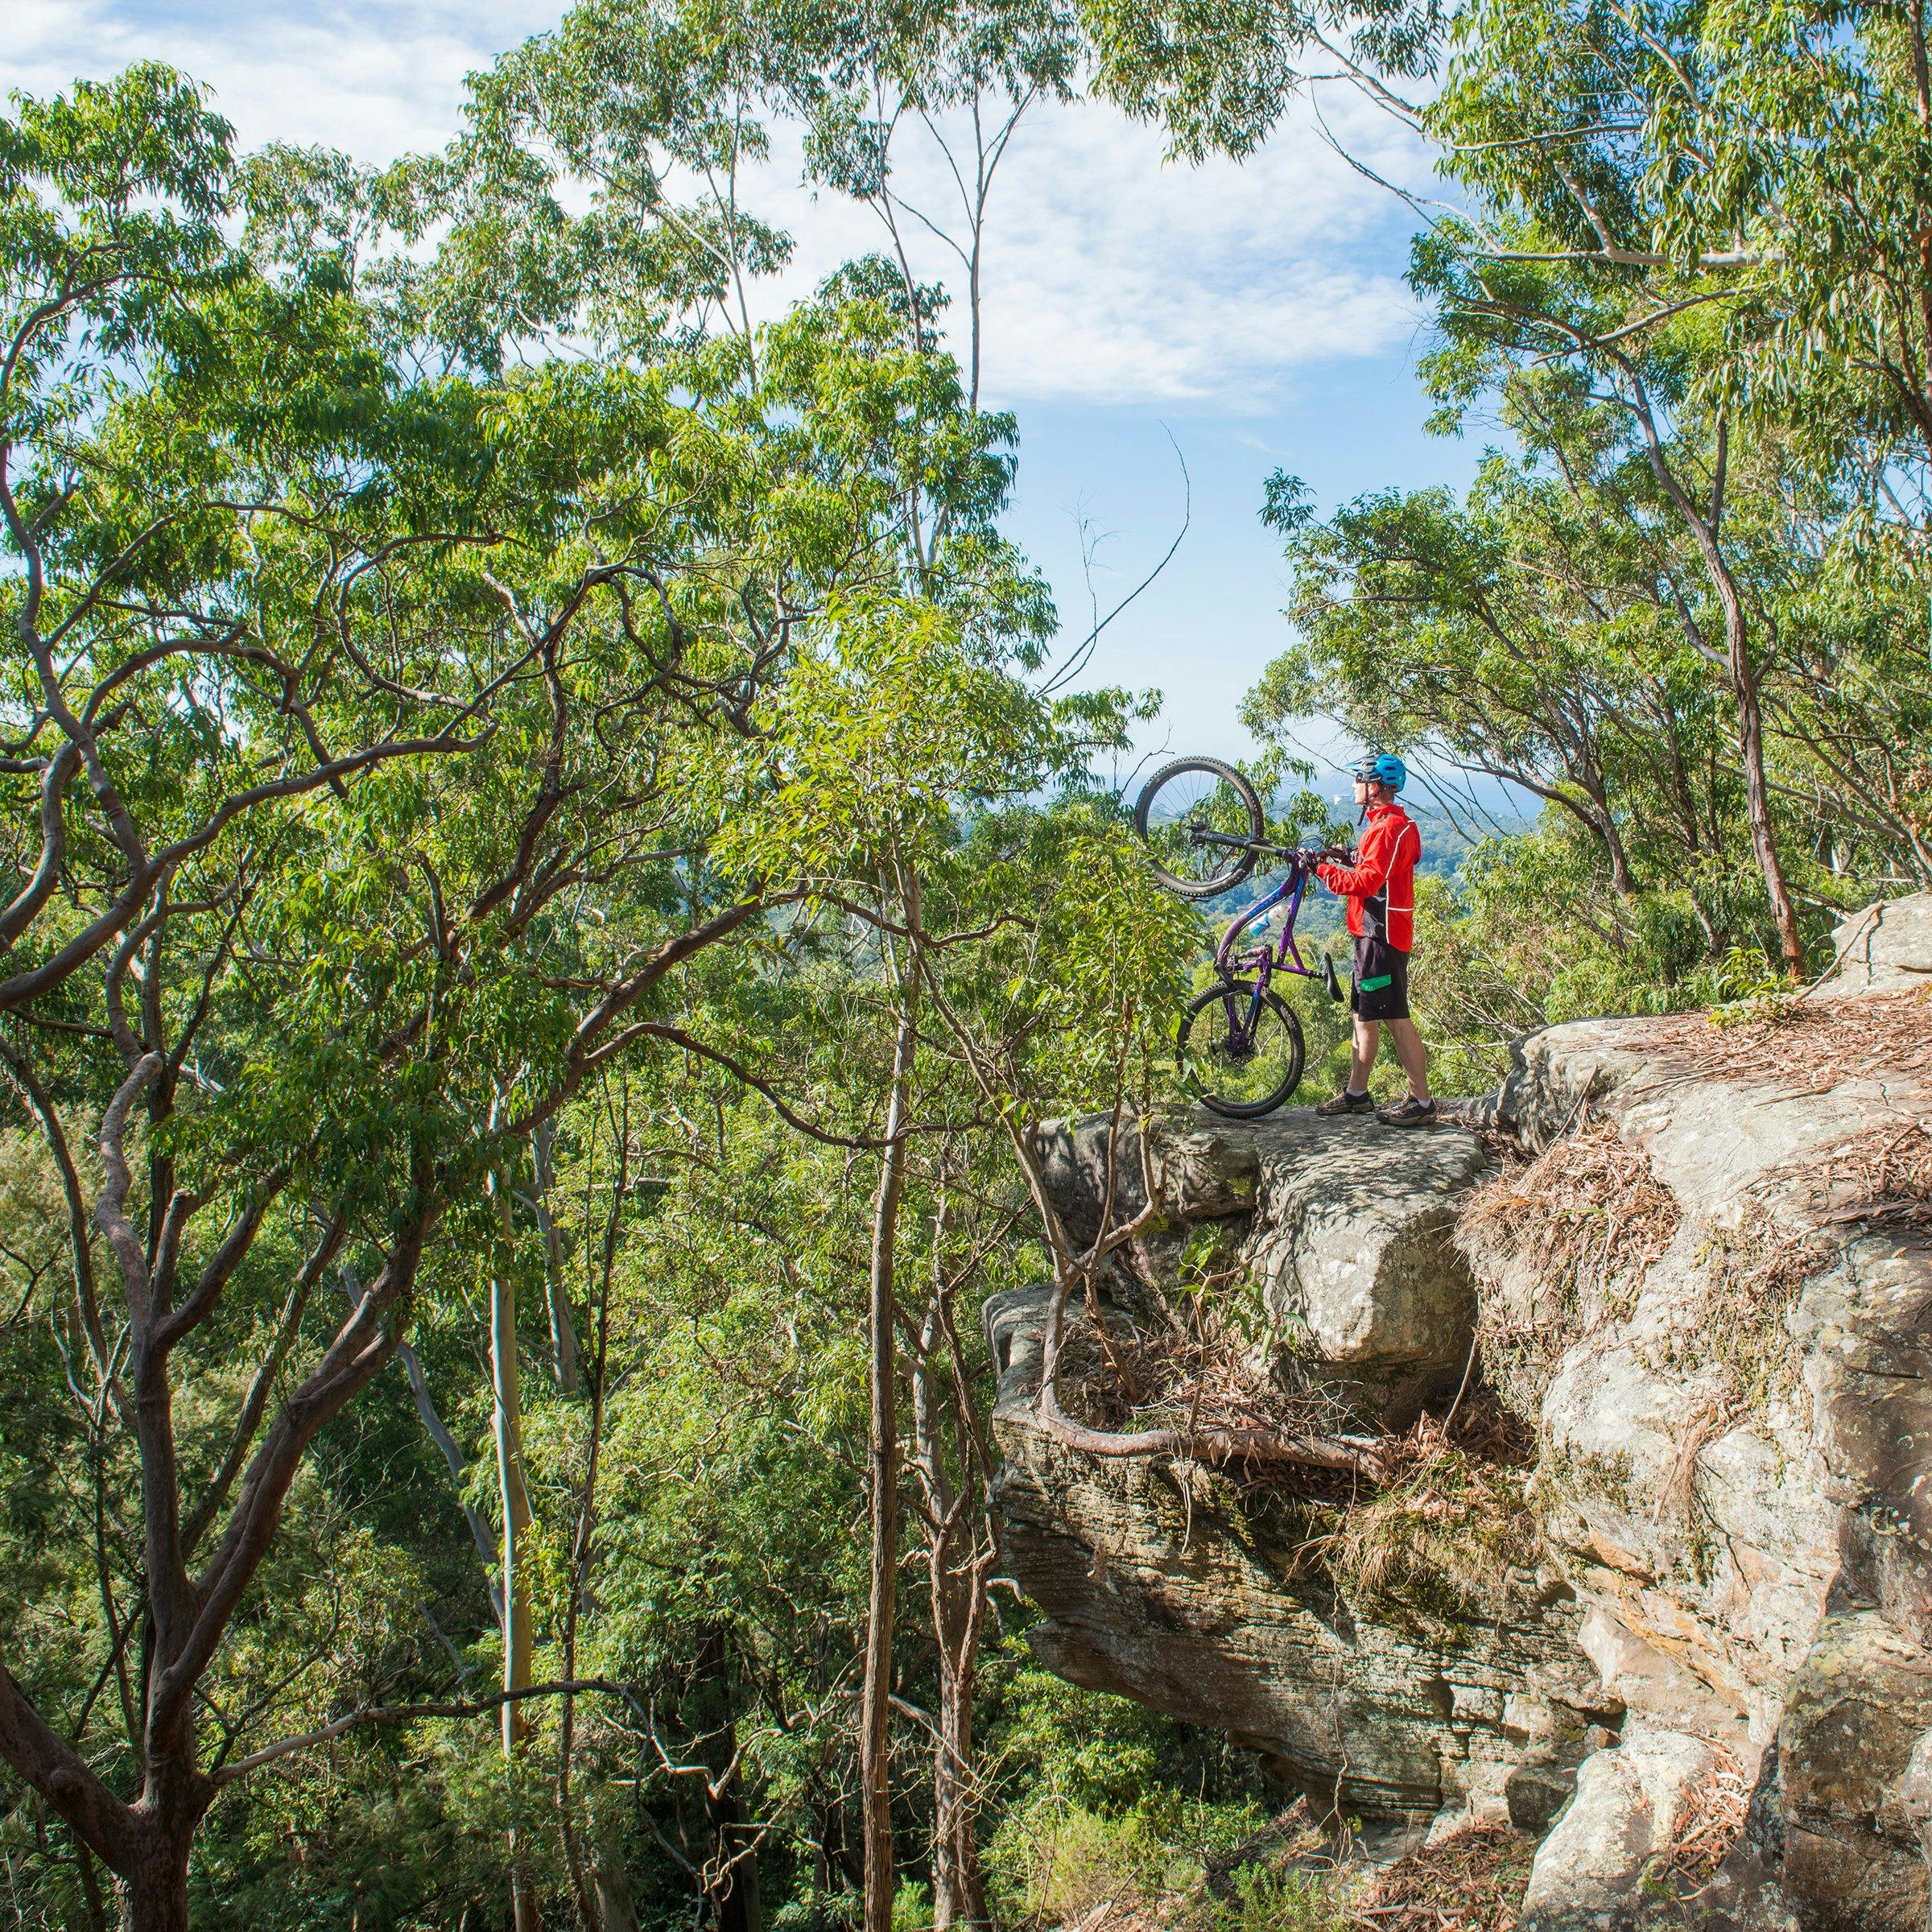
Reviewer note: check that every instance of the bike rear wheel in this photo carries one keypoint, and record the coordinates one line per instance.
(1189, 797)
(1241, 1059)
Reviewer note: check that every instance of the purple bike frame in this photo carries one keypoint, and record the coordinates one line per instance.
(1264, 960)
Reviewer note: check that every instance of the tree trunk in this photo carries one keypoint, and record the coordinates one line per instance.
(734, 1898)
(154, 1896)
(875, 1795)
(515, 1586)
(604, 1903)
(1743, 673)
(959, 1566)
(731, 1870)
(1622, 883)
(1588, 775)
(563, 1350)
(959, 1886)
(446, 1445)
(90, 1887)
(1757, 798)
(616, 1912)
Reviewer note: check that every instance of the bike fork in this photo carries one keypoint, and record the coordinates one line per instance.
(1240, 1031)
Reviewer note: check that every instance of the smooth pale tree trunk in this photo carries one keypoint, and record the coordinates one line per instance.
(875, 1790)
(564, 1353)
(960, 1558)
(958, 1610)
(609, 1881)
(515, 1583)
(1744, 675)
(1751, 752)
(1757, 800)
(438, 1433)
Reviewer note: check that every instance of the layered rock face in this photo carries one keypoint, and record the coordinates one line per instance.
(1717, 1321)
(1344, 1231)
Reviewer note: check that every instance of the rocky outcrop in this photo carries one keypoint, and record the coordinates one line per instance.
(1628, 1809)
(1886, 947)
(1720, 1329)
(1166, 1583)
(1625, 1849)
(1172, 1584)
(1342, 1230)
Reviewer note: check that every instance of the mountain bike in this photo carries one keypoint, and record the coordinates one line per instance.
(1240, 1046)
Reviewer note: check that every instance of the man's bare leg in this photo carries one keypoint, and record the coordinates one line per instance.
(1409, 1050)
(1367, 1044)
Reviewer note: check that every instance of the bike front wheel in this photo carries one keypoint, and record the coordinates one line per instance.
(1200, 819)
(1239, 1056)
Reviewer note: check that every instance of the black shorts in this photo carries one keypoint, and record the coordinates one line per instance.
(1381, 991)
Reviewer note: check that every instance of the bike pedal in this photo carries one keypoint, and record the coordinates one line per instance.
(1330, 980)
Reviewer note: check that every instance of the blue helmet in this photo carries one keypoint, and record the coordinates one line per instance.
(1384, 768)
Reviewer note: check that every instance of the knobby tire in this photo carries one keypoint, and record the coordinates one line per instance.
(1230, 867)
(1211, 1004)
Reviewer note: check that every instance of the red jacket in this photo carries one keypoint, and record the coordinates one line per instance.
(1380, 886)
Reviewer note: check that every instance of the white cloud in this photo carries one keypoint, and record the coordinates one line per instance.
(1112, 276)
(376, 77)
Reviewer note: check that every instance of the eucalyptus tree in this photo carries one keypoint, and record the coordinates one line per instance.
(604, 102)
(1556, 255)
(949, 80)
(1714, 218)
(1556, 629)
(1785, 151)
(603, 181)
(216, 624)
(198, 562)
(310, 1035)
(1420, 627)
(1022, 970)
(904, 718)
(1708, 218)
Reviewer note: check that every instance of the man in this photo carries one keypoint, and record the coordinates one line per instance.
(1380, 888)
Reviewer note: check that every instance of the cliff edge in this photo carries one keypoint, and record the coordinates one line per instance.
(1649, 1336)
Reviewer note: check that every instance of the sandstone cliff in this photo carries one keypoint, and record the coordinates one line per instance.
(1690, 1602)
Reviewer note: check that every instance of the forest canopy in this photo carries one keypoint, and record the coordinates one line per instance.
(555, 863)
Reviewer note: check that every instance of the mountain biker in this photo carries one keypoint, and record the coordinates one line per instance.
(1380, 888)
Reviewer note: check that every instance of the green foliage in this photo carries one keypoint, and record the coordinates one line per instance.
(1219, 75)
(462, 676)
(912, 1907)
(695, 608)
(1111, 1802)
(1262, 1901)
(1747, 988)
(1683, 604)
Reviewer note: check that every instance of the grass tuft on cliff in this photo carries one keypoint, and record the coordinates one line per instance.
(1447, 1541)
(1569, 1235)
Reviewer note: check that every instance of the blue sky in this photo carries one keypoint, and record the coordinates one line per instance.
(1256, 314)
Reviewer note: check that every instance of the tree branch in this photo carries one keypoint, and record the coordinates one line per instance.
(394, 1714)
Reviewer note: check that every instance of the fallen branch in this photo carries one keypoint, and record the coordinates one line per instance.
(1355, 1455)
(393, 1714)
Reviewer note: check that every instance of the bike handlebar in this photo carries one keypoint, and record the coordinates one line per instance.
(1302, 855)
